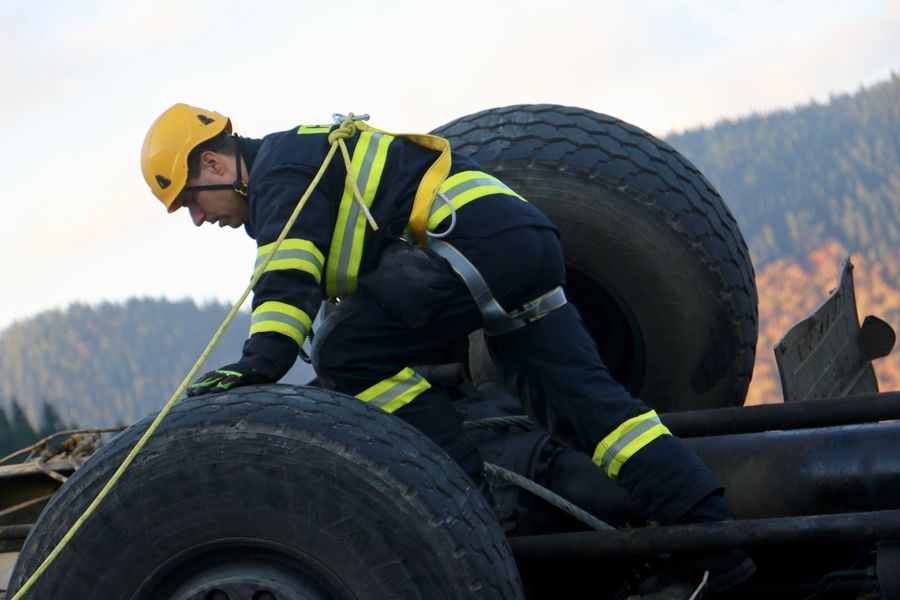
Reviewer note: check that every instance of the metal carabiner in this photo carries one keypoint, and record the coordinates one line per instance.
(452, 225)
(339, 118)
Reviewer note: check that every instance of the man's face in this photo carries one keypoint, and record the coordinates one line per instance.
(225, 207)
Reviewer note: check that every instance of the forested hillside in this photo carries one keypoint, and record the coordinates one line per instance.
(808, 186)
(17, 430)
(790, 289)
(113, 363)
(797, 178)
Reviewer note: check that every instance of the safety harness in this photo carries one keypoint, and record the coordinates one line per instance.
(426, 215)
(497, 321)
(431, 181)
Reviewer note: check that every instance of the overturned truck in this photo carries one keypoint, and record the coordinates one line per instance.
(284, 492)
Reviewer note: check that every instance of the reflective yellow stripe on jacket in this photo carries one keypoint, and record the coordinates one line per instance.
(626, 440)
(429, 184)
(293, 253)
(345, 255)
(462, 188)
(279, 317)
(312, 129)
(399, 390)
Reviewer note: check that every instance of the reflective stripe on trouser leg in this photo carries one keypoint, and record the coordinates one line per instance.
(626, 440)
(394, 392)
(433, 415)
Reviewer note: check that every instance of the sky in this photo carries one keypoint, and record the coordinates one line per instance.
(84, 79)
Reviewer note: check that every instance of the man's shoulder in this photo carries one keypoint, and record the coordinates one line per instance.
(301, 145)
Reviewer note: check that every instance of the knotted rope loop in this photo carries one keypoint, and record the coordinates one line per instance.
(346, 128)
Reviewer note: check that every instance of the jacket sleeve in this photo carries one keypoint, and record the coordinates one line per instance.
(287, 297)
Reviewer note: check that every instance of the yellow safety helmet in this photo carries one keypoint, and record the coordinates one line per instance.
(171, 138)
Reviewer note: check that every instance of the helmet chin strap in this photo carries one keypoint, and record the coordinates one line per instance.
(239, 185)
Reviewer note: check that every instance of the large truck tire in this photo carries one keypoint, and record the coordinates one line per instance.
(273, 492)
(656, 263)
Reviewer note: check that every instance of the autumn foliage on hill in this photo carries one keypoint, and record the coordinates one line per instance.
(789, 291)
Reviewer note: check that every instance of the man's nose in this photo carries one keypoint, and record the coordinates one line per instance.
(196, 214)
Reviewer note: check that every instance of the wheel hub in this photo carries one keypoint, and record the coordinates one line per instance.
(241, 570)
(249, 580)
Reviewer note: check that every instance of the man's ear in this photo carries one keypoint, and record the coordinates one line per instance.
(212, 161)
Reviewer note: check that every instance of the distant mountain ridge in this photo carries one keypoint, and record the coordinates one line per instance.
(112, 364)
(794, 180)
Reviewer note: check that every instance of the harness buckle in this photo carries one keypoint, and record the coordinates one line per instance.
(496, 320)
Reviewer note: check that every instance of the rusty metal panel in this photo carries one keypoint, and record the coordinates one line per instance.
(821, 357)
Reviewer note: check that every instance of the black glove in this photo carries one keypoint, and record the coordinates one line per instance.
(222, 380)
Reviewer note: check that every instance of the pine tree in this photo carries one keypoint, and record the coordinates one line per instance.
(51, 422)
(23, 433)
(6, 437)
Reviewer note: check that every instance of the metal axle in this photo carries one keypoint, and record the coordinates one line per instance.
(840, 528)
(867, 408)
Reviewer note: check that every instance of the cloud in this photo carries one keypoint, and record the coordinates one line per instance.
(794, 61)
(87, 79)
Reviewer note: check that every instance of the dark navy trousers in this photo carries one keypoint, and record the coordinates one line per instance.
(413, 307)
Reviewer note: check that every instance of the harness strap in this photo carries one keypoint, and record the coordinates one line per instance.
(430, 183)
(496, 320)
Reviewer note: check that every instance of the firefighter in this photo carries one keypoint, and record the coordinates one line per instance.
(435, 248)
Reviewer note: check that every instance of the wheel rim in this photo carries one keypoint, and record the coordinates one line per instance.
(240, 569)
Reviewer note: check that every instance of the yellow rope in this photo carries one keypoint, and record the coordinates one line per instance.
(336, 138)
